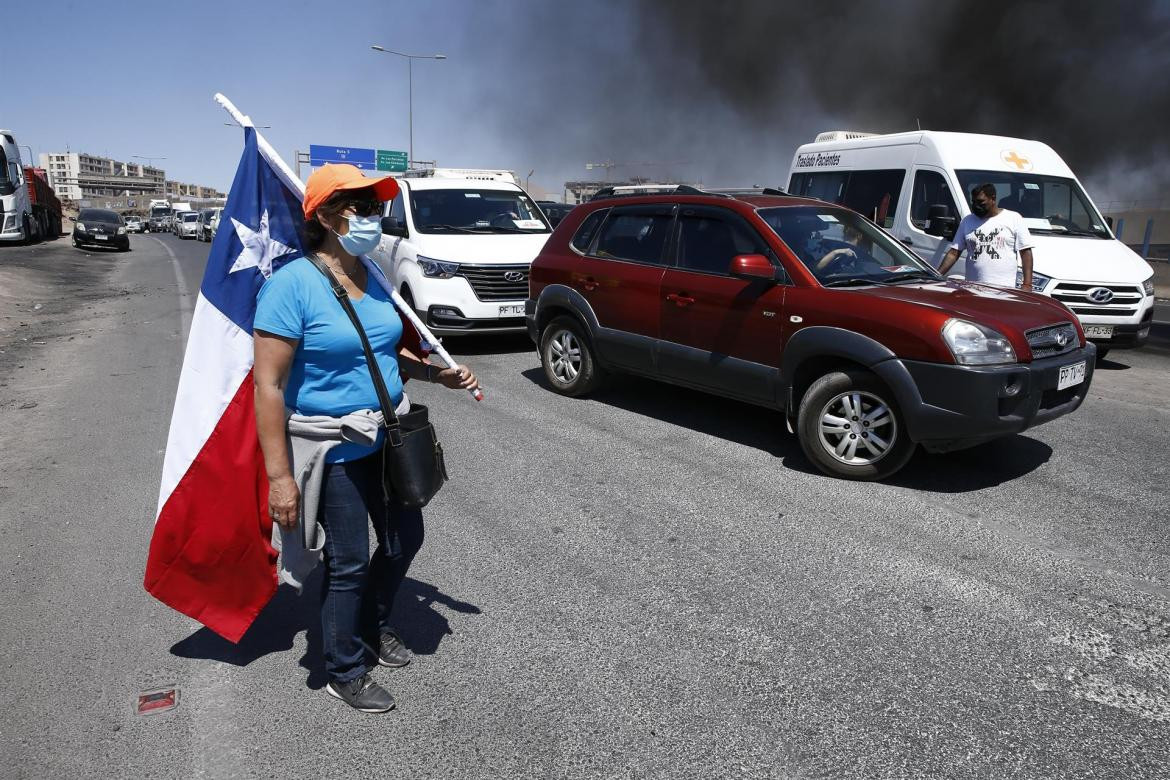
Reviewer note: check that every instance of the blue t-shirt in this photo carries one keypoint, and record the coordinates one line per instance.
(329, 373)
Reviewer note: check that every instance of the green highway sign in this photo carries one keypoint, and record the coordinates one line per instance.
(392, 161)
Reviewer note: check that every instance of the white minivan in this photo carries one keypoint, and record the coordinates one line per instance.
(458, 245)
(917, 186)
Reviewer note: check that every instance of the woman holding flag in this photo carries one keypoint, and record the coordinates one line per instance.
(309, 359)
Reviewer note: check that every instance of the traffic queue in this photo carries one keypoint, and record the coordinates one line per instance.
(877, 299)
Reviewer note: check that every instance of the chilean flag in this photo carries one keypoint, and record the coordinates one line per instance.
(211, 555)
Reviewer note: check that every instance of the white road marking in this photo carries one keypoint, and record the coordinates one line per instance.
(185, 304)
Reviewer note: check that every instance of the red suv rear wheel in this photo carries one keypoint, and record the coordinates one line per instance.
(850, 426)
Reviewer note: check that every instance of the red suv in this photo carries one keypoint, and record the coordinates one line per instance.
(807, 307)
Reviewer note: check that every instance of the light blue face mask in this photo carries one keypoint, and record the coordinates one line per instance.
(363, 236)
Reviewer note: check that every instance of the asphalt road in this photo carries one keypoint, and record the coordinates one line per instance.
(648, 583)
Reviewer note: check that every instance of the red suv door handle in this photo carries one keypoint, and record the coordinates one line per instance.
(589, 283)
(680, 300)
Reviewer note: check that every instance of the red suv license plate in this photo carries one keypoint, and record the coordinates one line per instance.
(1071, 375)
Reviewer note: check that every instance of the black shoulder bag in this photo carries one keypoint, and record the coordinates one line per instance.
(413, 468)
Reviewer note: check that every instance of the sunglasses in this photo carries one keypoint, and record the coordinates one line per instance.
(364, 208)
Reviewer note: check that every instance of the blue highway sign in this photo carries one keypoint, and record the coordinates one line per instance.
(362, 158)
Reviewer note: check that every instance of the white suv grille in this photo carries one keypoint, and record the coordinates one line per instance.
(497, 282)
(1122, 300)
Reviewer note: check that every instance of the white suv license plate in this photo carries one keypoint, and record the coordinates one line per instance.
(1098, 331)
(1071, 375)
(512, 311)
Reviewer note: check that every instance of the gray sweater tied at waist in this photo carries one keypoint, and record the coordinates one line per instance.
(310, 438)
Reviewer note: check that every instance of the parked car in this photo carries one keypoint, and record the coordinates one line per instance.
(804, 307)
(100, 227)
(214, 226)
(134, 224)
(187, 224)
(457, 246)
(203, 232)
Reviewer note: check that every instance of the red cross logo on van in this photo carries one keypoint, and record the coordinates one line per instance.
(1010, 157)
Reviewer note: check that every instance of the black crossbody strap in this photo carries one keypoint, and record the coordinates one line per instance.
(389, 418)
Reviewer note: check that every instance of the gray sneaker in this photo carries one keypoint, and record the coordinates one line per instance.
(392, 652)
(362, 694)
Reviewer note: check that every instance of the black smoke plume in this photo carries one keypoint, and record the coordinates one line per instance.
(726, 90)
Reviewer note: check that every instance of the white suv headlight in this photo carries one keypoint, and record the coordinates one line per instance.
(1148, 286)
(437, 269)
(976, 345)
(1039, 281)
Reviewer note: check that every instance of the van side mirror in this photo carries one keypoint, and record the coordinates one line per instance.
(754, 267)
(940, 222)
(391, 227)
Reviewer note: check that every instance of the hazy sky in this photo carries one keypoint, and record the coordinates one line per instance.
(718, 92)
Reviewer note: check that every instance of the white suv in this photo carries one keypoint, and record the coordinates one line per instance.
(459, 249)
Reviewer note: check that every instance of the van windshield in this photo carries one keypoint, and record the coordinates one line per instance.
(1050, 205)
(843, 249)
(476, 211)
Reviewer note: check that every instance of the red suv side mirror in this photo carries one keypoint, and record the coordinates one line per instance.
(752, 266)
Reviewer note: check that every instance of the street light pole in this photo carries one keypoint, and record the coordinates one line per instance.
(410, 107)
(410, 58)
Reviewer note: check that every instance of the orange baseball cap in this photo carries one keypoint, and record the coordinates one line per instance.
(331, 177)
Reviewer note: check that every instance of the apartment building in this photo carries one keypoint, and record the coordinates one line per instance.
(76, 176)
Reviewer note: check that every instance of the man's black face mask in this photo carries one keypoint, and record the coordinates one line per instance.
(979, 209)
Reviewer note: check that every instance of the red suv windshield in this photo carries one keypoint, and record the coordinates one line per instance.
(841, 248)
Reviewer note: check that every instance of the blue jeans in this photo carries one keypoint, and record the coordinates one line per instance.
(358, 592)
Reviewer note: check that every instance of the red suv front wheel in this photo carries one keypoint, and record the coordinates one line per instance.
(567, 358)
(850, 426)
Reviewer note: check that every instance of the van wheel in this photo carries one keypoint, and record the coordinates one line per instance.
(408, 297)
(850, 427)
(567, 358)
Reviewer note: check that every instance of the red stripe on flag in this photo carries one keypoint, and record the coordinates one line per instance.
(211, 555)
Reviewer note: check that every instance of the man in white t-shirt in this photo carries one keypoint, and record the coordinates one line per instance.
(993, 238)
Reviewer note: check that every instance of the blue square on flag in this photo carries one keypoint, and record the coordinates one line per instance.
(259, 231)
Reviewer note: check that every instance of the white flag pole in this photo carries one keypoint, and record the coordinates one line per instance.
(296, 184)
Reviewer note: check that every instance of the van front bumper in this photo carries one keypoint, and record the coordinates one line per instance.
(951, 407)
(450, 307)
(1129, 336)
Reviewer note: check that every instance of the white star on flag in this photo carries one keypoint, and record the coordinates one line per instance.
(260, 248)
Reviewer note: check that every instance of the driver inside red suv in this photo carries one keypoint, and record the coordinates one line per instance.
(854, 245)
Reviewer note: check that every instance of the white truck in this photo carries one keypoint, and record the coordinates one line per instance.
(159, 212)
(917, 186)
(29, 209)
(458, 244)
